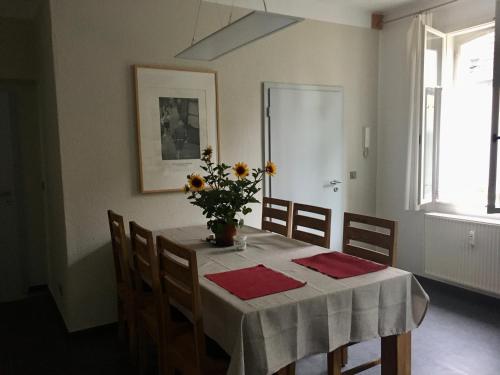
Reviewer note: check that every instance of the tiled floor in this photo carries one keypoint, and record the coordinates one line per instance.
(460, 335)
(33, 341)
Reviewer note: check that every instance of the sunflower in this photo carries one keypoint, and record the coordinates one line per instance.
(186, 189)
(271, 168)
(207, 153)
(196, 182)
(241, 170)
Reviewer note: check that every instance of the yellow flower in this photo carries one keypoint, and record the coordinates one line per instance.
(186, 189)
(207, 153)
(196, 182)
(241, 170)
(271, 168)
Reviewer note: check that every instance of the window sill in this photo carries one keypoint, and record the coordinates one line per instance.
(465, 218)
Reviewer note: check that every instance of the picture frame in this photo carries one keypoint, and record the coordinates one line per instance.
(177, 117)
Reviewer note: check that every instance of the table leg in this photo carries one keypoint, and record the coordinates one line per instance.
(345, 355)
(335, 362)
(288, 370)
(396, 354)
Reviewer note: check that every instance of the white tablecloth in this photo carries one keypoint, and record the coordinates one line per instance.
(264, 334)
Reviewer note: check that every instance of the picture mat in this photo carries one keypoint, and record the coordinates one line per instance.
(166, 175)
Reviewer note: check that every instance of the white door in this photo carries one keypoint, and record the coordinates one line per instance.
(11, 275)
(304, 137)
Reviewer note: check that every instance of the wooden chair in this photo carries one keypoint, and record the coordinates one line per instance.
(321, 225)
(304, 221)
(183, 349)
(372, 238)
(272, 216)
(145, 264)
(124, 285)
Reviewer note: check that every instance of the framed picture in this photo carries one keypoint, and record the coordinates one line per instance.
(177, 117)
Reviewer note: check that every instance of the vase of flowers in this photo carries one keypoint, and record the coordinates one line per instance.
(223, 195)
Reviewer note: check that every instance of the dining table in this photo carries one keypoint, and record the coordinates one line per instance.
(265, 334)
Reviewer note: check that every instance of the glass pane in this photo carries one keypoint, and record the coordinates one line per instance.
(428, 143)
(465, 129)
(433, 61)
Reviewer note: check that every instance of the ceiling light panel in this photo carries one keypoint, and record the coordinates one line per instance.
(243, 31)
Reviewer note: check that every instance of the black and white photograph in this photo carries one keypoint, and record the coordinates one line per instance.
(180, 129)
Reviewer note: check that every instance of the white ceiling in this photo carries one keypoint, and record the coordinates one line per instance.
(349, 12)
(24, 9)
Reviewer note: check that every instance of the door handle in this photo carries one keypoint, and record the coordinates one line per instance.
(335, 182)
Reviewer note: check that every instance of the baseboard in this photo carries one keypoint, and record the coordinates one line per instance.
(58, 308)
(94, 330)
(459, 290)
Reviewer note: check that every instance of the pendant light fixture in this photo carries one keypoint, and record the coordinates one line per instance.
(247, 29)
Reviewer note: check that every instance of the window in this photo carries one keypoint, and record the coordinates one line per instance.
(494, 187)
(432, 88)
(456, 120)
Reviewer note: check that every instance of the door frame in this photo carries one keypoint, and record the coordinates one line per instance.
(18, 90)
(266, 126)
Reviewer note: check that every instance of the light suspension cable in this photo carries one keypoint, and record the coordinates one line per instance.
(231, 13)
(196, 22)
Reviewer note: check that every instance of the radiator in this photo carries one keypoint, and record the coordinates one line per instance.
(463, 251)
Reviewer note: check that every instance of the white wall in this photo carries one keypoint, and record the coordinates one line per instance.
(95, 43)
(55, 215)
(341, 12)
(394, 90)
(464, 14)
(453, 16)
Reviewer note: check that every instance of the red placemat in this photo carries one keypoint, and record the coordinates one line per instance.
(253, 282)
(339, 265)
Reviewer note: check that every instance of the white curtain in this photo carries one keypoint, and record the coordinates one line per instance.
(415, 50)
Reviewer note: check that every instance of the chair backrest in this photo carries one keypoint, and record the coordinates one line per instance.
(302, 219)
(371, 237)
(180, 286)
(144, 258)
(120, 249)
(277, 216)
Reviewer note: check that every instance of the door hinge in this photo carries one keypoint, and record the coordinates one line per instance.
(268, 111)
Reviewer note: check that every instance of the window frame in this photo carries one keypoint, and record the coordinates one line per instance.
(491, 207)
(434, 203)
(423, 200)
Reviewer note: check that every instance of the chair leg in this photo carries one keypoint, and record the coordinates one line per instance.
(122, 321)
(162, 367)
(132, 335)
(141, 348)
(162, 358)
(335, 362)
(169, 370)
